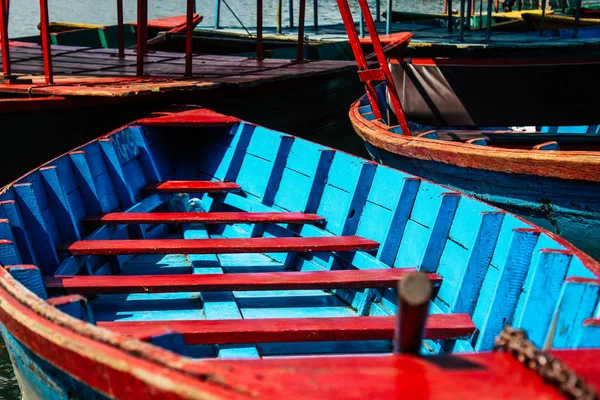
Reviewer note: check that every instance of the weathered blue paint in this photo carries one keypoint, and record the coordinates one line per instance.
(493, 266)
(39, 379)
(570, 209)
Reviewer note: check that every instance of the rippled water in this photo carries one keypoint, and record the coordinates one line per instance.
(24, 14)
(24, 17)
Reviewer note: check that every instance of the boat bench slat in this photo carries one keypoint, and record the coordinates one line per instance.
(204, 217)
(192, 187)
(219, 246)
(438, 327)
(340, 279)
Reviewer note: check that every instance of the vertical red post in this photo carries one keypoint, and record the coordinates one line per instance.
(301, 14)
(189, 37)
(383, 66)
(142, 34)
(414, 293)
(45, 32)
(4, 33)
(259, 29)
(120, 34)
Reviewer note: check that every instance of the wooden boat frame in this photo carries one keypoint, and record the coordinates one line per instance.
(55, 331)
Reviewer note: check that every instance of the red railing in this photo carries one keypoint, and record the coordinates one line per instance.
(142, 36)
(367, 75)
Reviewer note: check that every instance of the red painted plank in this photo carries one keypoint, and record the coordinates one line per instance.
(438, 326)
(192, 186)
(398, 37)
(339, 279)
(205, 218)
(199, 117)
(219, 246)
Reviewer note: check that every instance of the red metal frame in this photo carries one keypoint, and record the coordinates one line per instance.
(142, 34)
(367, 75)
(45, 32)
(189, 37)
(121, 37)
(301, 16)
(259, 29)
(4, 36)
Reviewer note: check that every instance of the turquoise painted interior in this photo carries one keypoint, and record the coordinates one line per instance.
(491, 267)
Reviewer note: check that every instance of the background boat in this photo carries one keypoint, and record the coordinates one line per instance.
(548, 175)
(208, 237)
(557, 21)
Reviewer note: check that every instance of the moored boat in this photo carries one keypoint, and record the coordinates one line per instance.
(135, 261)
(547, 174)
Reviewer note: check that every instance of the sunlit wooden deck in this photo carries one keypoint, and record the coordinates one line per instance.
(80, 71)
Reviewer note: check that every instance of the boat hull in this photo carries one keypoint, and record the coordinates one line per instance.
(570, 209)
(38, 379)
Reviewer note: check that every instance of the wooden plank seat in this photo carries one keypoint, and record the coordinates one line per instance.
(338, 279)
(204, 218)
(438, 327)
(219, 246)
(193, 187)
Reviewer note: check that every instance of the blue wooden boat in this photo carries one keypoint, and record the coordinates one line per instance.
(133, 263)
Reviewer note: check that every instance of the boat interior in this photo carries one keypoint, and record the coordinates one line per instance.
(568, 138)
(195, 231)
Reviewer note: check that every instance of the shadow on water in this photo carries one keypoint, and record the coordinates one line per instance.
(9, 388)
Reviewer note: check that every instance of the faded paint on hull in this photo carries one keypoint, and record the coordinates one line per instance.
(570, 209)
(39, 379)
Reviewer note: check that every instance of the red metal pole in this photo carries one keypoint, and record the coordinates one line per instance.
(4, 33)
(189, 39)
(383, 66)
(259, 29)
(142, 27)
(121, 37)
(301, 14)
(45, 32)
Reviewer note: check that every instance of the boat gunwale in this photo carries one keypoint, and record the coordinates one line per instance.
(573, 165)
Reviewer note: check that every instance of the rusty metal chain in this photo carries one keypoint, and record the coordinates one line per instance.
(551, 369)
